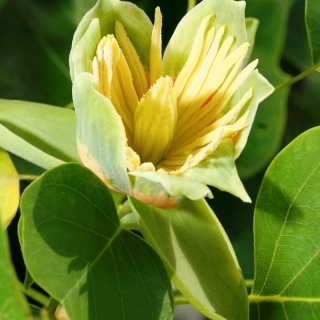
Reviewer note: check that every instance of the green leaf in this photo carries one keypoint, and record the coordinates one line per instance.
(47, 128)
(25, 150)
(268, 127)
(287, 223)
(198, 256)
(75, 248)
(13, 304)
(9, 188)
(312, 16)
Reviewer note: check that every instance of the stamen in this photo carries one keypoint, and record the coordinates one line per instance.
(201, 113)
(229, 118)
(155, 49)
(236, 83)
(200, 73)
(134, 63)
(125, 80)
(200, 143)
(198, 50)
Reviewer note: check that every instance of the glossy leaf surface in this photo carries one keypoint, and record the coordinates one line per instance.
(287, 255)
(198, 256)
(75, 248)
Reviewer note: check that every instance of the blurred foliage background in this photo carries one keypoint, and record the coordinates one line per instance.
(36, 35)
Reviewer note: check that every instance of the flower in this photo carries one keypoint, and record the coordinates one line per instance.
(161, 130)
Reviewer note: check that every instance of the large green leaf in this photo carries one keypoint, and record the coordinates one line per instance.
(198, 256)
(312, 15)
(12, 303)
(9, 189)
(268, 127)
(75, 248)
(287, 222)
(47, 128)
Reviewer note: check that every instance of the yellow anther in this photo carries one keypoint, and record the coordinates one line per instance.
(133, 60)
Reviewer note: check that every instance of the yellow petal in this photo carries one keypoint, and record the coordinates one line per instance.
(155, 121)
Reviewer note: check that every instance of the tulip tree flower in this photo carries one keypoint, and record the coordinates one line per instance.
(161, 129)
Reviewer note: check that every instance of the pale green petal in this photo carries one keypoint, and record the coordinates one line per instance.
(100, 134)
(262, 89)
(136, 23)
(167, 185)
(226, 13)
(82, 55)
(219, 170)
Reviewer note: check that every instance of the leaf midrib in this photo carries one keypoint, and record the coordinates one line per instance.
(281, 299)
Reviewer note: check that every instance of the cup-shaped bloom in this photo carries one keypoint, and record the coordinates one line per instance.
(163, 129)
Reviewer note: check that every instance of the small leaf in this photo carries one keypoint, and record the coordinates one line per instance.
(198, 256)
(312, 16)
(13, 304)
(287, 223)
(75, 248)
(9, 188)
